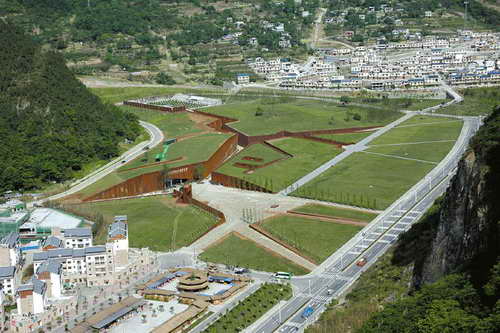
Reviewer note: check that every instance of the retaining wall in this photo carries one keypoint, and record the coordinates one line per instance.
(162, 108)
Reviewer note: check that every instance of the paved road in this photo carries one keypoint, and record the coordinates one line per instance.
(156, 137)
(340, 271)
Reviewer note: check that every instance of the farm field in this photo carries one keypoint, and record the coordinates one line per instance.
(307, 155)
(251, 309)
(237, 251)
(366, 180)
(336, 212)
(315, 239)
(154, 222)
(347, 137)
(266, 115)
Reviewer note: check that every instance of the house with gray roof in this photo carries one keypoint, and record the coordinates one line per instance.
(77, 238)
(50, 272)
(52, 242)
(9, 250)
(31, 297)
(8, 279)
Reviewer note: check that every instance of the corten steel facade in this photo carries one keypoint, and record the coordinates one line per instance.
(236, 182)
(162, 108)
(154, 181)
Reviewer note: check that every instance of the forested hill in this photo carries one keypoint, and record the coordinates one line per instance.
(50, 124)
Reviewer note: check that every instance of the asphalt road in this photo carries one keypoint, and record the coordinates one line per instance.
(340, 270)
(156, 137)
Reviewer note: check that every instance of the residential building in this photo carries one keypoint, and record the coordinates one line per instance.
(9, 279)
(77, 238)
(10, 255)
(118, 241)
(50, 272)
(242, 78)
(31, 298)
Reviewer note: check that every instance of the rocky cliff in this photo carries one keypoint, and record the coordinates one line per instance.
(466, 235)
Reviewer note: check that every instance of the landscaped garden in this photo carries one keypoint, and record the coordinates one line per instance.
(235, 250)
(154, 222)
(313, 238)
(270, 115)
(307, 156)
(251, 308)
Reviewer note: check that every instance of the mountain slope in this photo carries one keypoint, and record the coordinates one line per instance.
(50, 124)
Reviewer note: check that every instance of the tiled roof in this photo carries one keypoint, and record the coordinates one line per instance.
(10, 240)
(77, 232)
(7, 272)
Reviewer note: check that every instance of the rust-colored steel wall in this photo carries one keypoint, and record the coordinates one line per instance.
(153, 181)
(156, 107)
(235, 182)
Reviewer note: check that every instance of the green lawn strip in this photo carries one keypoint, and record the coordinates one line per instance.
(196, 149)
(336, 212)
(102, 184)
(251, 308)
(151, 221)
(477, 101)
(236, 251)
(289, 114)
(399, 103)
(423, 120)
(171, 124)
(307, 155)
(433, 152)
(366, 180)
(347, 138)
(421, 133)
(315, 239)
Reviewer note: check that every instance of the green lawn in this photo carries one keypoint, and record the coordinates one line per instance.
(477, 101)
(171, 124)
(347, 137)
(400, 103)
(236, 251)
(307, 155)
(433, 152)
(421, 133)
(257, 150)
(251, 308)
(315, 239)
(154, 222)
(195, 149)
(298, 115)
(422, 120)
(366, 180)
(336, 212)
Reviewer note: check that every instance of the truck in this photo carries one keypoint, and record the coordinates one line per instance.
(308, 311)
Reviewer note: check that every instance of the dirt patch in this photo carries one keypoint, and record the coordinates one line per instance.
(201, 121)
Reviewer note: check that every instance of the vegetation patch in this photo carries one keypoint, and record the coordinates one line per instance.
(477, 101)
(366, 180)
(235, 250)
(315, 239)
(307, 155)
(347, 137)
(433, 152)
(270, 115)
(154, 222)
(251, 308)
(333, 211)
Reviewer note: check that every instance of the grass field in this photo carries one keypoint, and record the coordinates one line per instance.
(237, 251)
(422, 120)
(251, 308)
(336, 212)
(366, 180)
(477, 101)
(432, 152)
(347, 138)
(315, 239)
(414, 132)
(289, 114)
(307, 155)
(171, 124)
(413, 104)
(154, 222)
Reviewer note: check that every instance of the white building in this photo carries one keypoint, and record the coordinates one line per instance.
(10, 255)
(77, 238)
(118, 241)
(50, 272)
(242, 78)
(31, 297)
(8, 279)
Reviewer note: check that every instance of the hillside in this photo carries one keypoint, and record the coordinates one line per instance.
(50, 124)
(444, 274)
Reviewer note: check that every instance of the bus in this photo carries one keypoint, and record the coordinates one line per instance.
(283, 275)
(308, 311)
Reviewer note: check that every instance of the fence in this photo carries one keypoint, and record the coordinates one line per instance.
(162, 108)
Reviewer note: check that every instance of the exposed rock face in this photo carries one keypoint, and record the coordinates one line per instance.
(467, 233)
